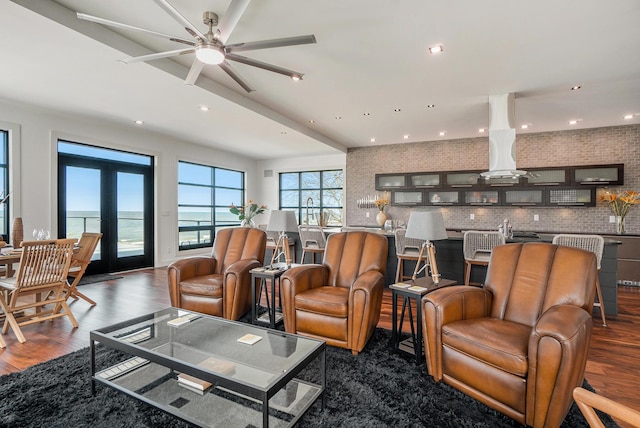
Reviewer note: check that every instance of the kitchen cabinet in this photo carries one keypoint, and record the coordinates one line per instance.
(571, 196)
(424, 180)
(391, 181)
(524, 197)
(481, 197)
(547, 177)
(548, 187)
(461, 179)
(406, 197)
(444, 197)
(599, 175)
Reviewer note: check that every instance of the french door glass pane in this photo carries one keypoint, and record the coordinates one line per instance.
(130, 206)
(83, 194)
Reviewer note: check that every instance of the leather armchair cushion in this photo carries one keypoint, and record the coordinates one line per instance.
(502, 344)
(327, 300)
(207, 285)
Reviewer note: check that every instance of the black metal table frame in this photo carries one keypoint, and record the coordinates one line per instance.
(274, 278)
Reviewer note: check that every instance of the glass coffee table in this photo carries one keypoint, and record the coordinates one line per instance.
(211, 371)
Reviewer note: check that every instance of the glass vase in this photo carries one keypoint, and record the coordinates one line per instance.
(619, 225)
(248, 223)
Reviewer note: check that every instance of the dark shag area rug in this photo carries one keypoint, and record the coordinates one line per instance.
(373, 389)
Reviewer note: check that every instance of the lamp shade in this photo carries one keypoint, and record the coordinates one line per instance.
(426, 225)
(282, 221)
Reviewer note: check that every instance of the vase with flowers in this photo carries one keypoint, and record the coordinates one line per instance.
(381, 203)
(247, 212)
(620, 203)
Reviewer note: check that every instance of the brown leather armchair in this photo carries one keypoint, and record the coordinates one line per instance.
(338, 301)
(519, 344)
(219, 285)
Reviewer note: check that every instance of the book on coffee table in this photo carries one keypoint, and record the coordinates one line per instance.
(201, 386)
(250, 339)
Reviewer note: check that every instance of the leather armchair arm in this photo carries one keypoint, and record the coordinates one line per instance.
(446, 305)
(558, 349)
(237, 288)
(184, 269)
(294, 281)
(365, 300)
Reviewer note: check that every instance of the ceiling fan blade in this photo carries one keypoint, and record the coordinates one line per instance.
(230, 19)
(264, 65)
(109, 23)
(194, 72)
(191, 29)
(235, 76)
(158, 55)
(273, 43)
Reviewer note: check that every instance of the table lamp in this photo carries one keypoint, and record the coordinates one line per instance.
(282, 222)
(427, 226)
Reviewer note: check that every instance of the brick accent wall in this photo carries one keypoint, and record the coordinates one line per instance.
(620, 144)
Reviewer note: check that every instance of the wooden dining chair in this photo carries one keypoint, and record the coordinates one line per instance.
(79, 262)
(42, 272)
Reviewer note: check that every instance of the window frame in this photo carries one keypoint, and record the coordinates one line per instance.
(300, 209)
(4, 170)
(215, 224)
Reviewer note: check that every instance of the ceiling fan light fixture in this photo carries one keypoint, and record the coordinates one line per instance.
(210, 54)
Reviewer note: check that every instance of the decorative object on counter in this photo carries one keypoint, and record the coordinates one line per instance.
(620, 203)
(367, 202)
(323, 219)
(17, 232)
(282, 222)
(381, 203)
(246, 213)
(506, 229)
(428, 226)
(40, 234)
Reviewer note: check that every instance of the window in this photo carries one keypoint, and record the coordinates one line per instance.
(4, 183)
(315, 196)
(205, 194)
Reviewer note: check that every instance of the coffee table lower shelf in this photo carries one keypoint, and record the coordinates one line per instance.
(158, 385)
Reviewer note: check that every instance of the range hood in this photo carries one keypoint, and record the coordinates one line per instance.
(502, 138)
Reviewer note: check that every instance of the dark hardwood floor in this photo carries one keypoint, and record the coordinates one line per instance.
(612, 368)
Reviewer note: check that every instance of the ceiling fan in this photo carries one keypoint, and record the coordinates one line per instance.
(210, 47)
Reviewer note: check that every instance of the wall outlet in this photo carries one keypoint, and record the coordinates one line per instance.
(612, 219)
(536, 217)
(367, 214)
(472, 216)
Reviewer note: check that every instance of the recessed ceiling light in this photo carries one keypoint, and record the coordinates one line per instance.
(283, 132)
(629, 116)
(442, 133)
(139, 122)
(573, 122)
(397, 110)
(481, 130)
(338, 117)
(431, 106)
(367, 114)
(575, 88)
(525, 126)
(312, 121)
(204, 108)
(436, 49)
(406, 137)
(373, 140)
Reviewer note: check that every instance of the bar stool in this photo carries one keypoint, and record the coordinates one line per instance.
(313, 241)
(477, 248)
(593, 243)
(406, 249)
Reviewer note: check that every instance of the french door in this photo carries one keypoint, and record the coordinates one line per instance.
(109, 196)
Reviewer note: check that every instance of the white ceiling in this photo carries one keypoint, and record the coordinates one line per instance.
(370, 57)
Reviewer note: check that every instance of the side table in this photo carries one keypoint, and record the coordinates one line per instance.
(268, 278)
(411, 290)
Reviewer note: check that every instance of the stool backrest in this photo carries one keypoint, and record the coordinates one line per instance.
(475, 241)
(593, 243)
